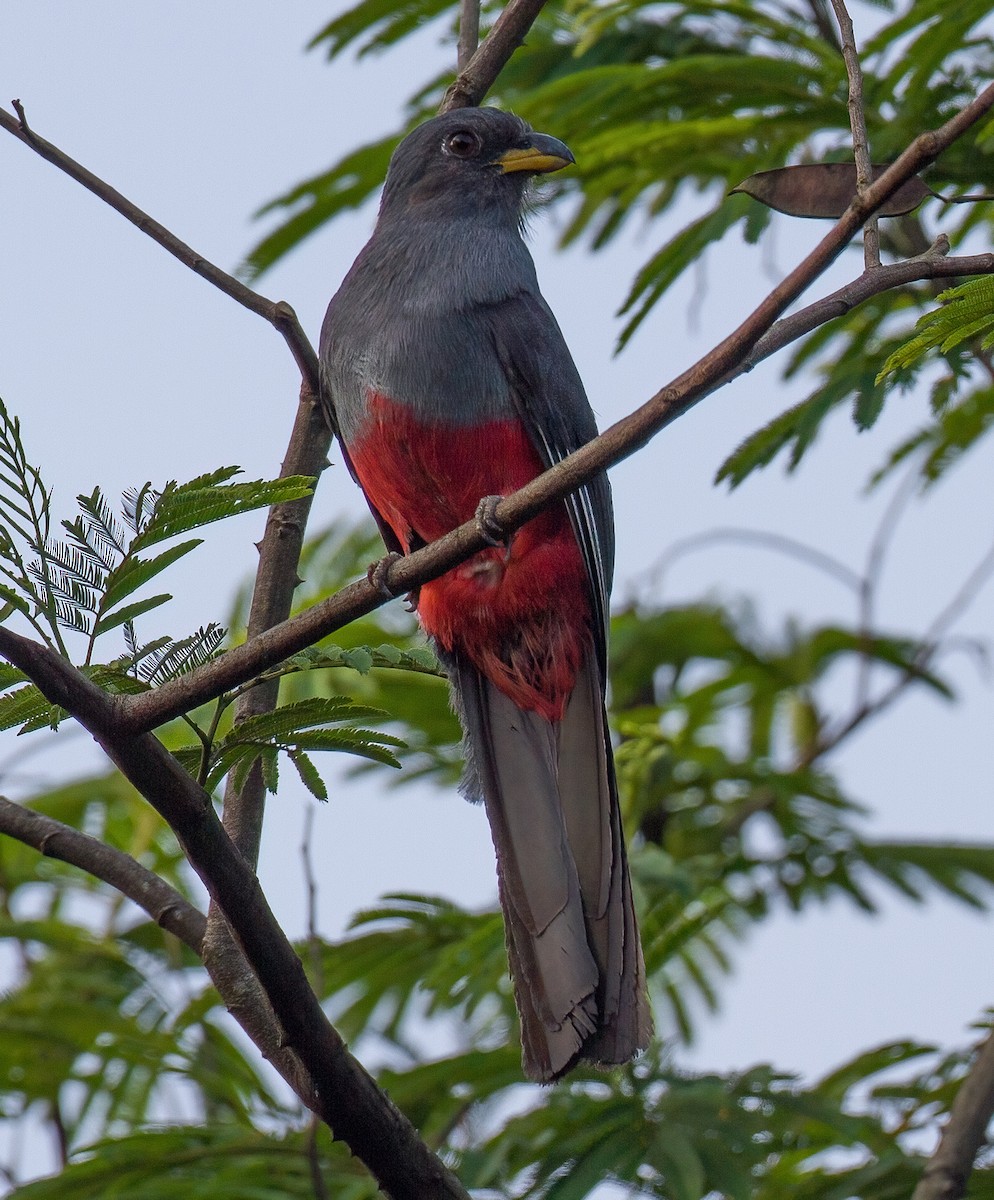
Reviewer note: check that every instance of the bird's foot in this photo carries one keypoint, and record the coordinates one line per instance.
(490, 528)
(379, 571)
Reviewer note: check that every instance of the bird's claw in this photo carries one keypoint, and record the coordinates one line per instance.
(379, 571)
(489, 527)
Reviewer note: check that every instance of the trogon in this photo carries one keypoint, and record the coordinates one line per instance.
(449, 383)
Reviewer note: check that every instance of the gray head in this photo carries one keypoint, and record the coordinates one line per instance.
(467, 161)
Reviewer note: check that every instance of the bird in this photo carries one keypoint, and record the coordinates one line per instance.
(449, 384)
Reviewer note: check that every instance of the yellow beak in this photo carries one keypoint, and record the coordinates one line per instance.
(543, 153)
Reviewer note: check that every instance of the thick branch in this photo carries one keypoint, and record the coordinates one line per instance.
(948, 1170)
(277, 312)
(272, 597)
(162, 903)
(478, 76)
(345, 1095)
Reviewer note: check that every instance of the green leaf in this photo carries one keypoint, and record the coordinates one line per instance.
(129, 612)
(182, 507)
(134, 572)
(308, 773)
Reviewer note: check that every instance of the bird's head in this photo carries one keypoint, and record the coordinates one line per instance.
(467, 161)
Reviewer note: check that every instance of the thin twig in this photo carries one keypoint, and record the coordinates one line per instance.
(857, 122)
(478, 76)
(964, 596)
(469, 31)
(311, 895)
(778, 542)
(278, 313)
(933, 264)
(871, 576)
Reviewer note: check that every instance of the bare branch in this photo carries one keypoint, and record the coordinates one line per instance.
(272, 597)
(478, 76)
(469, 31)
(931, 265)
(930, 644)
(947, 1171)
(857, 122)
(277, 312)
(162, 903)
(870, 583)
(344, 1094)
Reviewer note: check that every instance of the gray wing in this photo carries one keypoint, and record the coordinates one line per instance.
(549, 396)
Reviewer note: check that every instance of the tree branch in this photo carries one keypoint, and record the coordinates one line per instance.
(478, 76)
(344, 1094)
(469, 32)
(272, 598)
(857, 123)
(52, 838)
(277, 312)
(948, 1170)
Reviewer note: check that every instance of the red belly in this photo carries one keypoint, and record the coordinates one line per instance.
(520, 614)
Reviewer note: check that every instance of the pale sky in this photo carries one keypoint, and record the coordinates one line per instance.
(124, 366)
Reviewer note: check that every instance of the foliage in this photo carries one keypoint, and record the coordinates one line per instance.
(722, 728)
(667, 108)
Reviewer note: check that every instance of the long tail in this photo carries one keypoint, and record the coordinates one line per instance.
(572, 938)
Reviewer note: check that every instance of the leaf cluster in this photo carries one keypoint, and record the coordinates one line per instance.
(724, 730)
(667, 108)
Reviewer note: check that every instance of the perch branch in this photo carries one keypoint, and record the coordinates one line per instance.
(757, 337)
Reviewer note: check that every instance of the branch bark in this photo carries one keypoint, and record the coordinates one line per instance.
(56, 840)
(344, 1094)
(469, 32)
(948, 1170)
(478, 76)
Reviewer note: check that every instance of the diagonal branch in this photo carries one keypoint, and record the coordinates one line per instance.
(277, 312)
(56, 840)
(948, 1170)
(758, 336)
(344, 1094)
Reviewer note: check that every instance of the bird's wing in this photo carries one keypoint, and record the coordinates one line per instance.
(549, 397)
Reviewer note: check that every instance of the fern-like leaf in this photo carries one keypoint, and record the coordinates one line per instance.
(966, 311)
(209, 498)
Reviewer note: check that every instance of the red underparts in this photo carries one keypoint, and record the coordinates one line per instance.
(520, 613)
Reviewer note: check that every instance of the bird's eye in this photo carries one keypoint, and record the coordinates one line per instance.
(463, 144)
